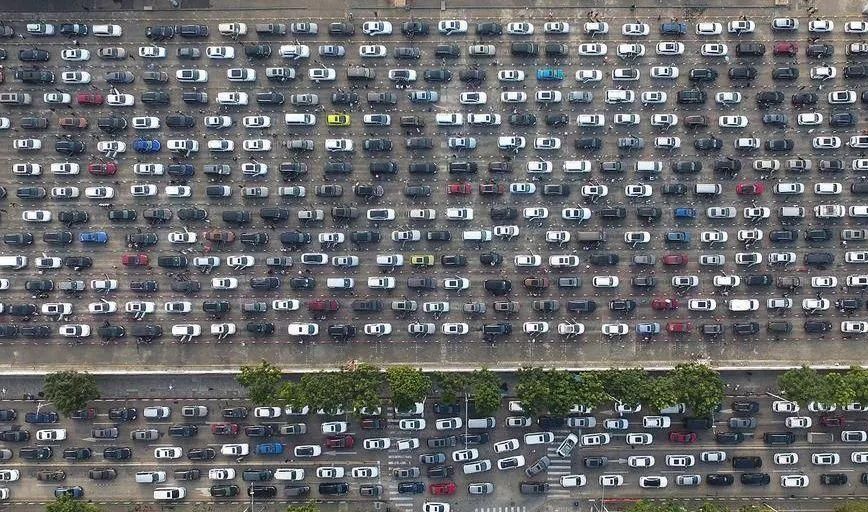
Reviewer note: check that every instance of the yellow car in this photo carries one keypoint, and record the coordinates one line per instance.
(338, 120)
(422, 260)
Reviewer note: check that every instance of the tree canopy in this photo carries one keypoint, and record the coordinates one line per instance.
(409, 385)
(68, 504)
(261, 381)
(69, 390)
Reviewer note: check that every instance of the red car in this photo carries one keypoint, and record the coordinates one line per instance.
(750, 189)
(679, 327)
(675, 259)
(831, 420)
(786, 48)
(491, 189)
(664, 304)
(459, 188)
(323, 305)
(103, 169)
(220, 235)
(135, 260)
(89, 98)
(442, 489)
(224, 429)
(342, 441)
(682, 437)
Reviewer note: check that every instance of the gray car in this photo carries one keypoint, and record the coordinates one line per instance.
(539, 466)
(743, 423)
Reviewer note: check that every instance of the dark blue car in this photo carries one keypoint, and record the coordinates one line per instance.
(41, 417)
(269, 448)
(147, 146)
(685, 213)
(93, 237)
(677, 236)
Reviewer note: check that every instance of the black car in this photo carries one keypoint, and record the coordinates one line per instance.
(33, 55)
(193, 31)
(524, 49)
(160, 32)
(453, 260)
(817, 326)
(183, 430)
(557, 119)
(489, 28)
(73, 216)
(745, 328)
(702, 75)
(262, 491)
(180, 121)
(216, 307)
(257, 51)
(842, 119)
(414, 28)
(73, 29)
(818, 235)
(755, 478)
(833, 479)
(77, 453)
(783, 235)
(411, 488)
(447, 50)
(491, 259)
(69, 147)
(117, 453)
(192, 214)
(742, 73)
(556, 49)
(333, 488)
(673, 189)
(606, 258)
(269, 98)
(779, 145)
(172, 261)
(149, 286)
(522, 119)
(440, 471)
(224, 491)
(686, 166)
(801, 99)
(691, 97)
(856, 71)
(708, 143)
(589, 143)
(119, 77)
(785, 73)
(155, 98)
(35, 331)
(719, 479)
(21, 310)
(819, 50)
(123, 414)
(498, 287)
(437, 75)
(14, 436)
(471, 75)
(57, 237)
(503, 213)
(201, 453)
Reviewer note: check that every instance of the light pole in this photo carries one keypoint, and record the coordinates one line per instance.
(466, 416)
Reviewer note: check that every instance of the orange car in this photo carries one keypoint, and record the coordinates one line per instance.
(73, 122)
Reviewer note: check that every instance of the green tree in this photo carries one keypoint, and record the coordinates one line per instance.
(452, 386)
(801, 385)
(309, 506)
(655, 506)
(662, 392)
(261, 381)
(563, 391)
(858, 380)
(68, 504)
(837, 389)
(485, 388)
(532, 390)
(701, 388)
(408, 385)
(590, 390)
(365, 383)
(69, 390)
(628, 386)
(853, 506)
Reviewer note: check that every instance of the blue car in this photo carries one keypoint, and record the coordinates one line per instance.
(147, 146)
(269, 448)
(673, 28)
(685, 213)
(647, 329)
(41, 417)
(677, 236)
(93, 237)
(550, 74)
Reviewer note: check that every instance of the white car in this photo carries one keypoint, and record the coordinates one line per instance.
(854, 327)
(152, 52)
(821, 26)
(466, 455)
(221, 473)
(513, 97)
(841, 97)
(57, 98)
(824, 72)
(605, 281)
(267, 412)
(232, 98)
(596, 28)
(472, 98)
(732, 121)
(596, 439)
(43, 215)
(728, 97)
(191, 75)
(220, 52)
(714, 50)
(639, 439)
(372, 51)
(589, 75)
(619, 329)
(322, 74)
(670, 48)
(568, 481)
(51, 434)
(510, 75)
(709, 29)
(741, 27)
(559, 27)
(825, 459)
(303, 329)
(640, 461)
(330, 472)
(826, 142)
(75, 55)
(377, 28)
(412, 424)
(635, 29)
(146, 122)
(170, 452)
(809, 119)
(680, 461)
(665, 72)
(75, 77)
(611, 480)
(377, 443)
(593, 49)
(519, 28)
(449, 27)
(713, 456)
(824, 282)
(256, 145)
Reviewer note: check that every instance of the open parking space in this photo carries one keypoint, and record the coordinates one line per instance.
(596, 182)
(678, 450)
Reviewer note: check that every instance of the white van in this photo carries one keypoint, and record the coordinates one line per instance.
(707, 188)
(614, 96)
(479, 466)
(340, 283)
(740, 305)
(477, 235)
(170, 493)
(300, 119)
(449, 119)
(649, 166)
(858, 211)
(481, 423)
(13, 262)
(108, 30)
(581, 166)
(150, 477)
(791, 212)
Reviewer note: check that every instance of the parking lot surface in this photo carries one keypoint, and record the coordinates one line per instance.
(546, 307)
(622, 460)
